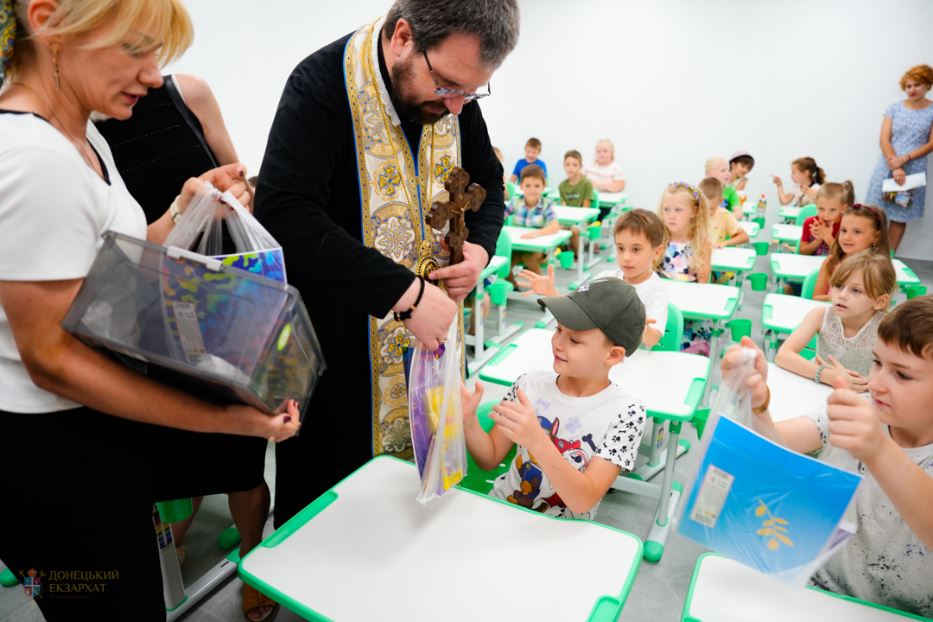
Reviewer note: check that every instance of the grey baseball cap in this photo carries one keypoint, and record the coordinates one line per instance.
(609, 304)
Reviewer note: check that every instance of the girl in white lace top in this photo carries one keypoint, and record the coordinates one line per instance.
(861, 290)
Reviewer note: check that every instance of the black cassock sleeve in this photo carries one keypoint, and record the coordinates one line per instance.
(295, 200)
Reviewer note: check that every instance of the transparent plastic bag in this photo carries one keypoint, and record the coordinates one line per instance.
(763, 505)
(436, 416)
(208, 227)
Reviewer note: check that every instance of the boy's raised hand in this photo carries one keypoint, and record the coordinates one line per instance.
(534, 283)
(854, 424)
(470, 401)
(519, 421)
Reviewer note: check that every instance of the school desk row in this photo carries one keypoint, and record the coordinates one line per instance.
(366, 550)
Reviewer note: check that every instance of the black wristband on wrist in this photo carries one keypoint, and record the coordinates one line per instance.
(406, 315)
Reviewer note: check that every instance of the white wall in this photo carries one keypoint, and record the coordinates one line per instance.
(672, 82)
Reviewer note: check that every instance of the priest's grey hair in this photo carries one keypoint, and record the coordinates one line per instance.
(495, 22)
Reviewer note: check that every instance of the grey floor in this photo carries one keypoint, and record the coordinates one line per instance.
(659, 589)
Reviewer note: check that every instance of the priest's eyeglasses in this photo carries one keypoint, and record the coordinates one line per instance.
(441, 91)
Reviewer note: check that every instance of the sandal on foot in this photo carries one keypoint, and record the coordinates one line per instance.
(257, 607)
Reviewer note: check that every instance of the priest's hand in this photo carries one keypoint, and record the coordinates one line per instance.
(431, 319)
(461, 278)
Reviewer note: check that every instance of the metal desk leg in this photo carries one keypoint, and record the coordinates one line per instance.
(668, 504)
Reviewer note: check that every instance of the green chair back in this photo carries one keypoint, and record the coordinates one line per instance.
(504, 249)
(511, 188)
(809, 284)
(673, 330)
(476, 478)
(805, 212)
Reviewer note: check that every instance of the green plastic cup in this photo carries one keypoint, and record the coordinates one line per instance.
(761, 248)
(740, 328)
(760, 220)
(566, 259)
(759, 281)
(913, 291)
(499, 291)
(175, 510)
(594, 230)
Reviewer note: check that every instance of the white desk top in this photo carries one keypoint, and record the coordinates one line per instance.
(703, 300)
(786, 233)
(733, 259)
(567, 215)
(543, 244)
(723, 590)
(793, 395)
(612, 198)
(751, 227)
(669, 383)
(794, 267)
(790, 213)
(782, 313)
(374, 553)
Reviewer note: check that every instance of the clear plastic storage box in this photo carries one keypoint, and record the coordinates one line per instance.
(202, 326)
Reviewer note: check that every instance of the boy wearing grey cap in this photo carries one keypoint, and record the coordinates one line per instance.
(575, 430)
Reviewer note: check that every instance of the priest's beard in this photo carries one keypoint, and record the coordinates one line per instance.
(409, 108)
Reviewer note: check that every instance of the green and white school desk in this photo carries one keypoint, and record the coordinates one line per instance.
(792, 395)
(366, 550)
(579, 217)
(789, 213)
(723, 590)
(751, 227)
(732, 259)
(544, 244)
(705, 301)
(612, 199)
(480, 353)
(786, 234)
(794, 268)
(781, 314)
(670, 384)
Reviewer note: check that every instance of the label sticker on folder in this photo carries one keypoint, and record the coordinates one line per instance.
(712, 496)
(189, 331)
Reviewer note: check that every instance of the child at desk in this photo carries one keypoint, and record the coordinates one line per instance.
(576, 431)
(639, 236)
(535, 211)
(688, 257)
(863, 227)
(740, 165)
(724, 229)
(807, 175)
(862, 287)
(532, 151)
(575, 191)
(819, 232)
(888, 439)
(718, 168)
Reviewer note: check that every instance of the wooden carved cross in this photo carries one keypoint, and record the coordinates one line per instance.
(463, 196)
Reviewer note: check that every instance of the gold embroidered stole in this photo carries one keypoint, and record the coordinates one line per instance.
(395, 198)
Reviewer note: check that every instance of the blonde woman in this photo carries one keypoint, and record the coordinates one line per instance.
(88, 430)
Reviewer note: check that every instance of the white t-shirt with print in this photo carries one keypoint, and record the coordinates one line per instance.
(607, 425)
(884, 562)
(53, 210)
(652, 293)
(598, 172)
